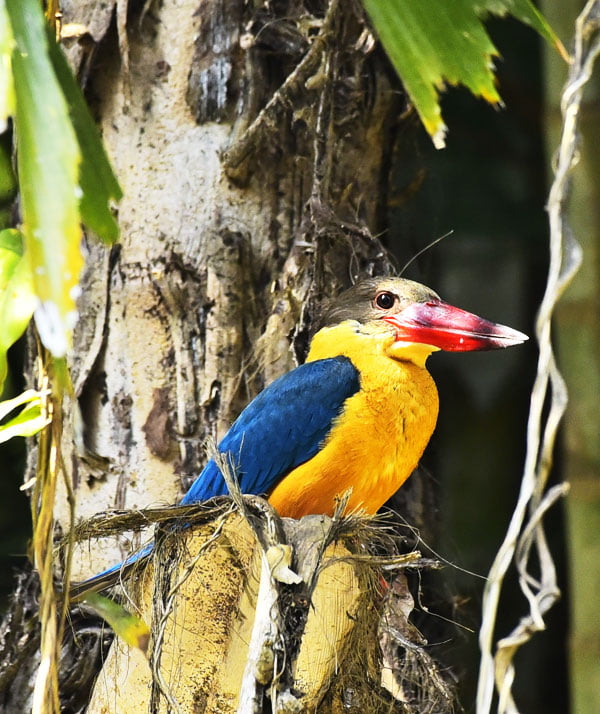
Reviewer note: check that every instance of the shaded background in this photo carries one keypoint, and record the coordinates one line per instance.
(489, 187)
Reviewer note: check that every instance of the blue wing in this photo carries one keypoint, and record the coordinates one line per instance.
(282, 428)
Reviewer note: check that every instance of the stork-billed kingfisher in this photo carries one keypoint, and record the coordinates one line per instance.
(359, 413)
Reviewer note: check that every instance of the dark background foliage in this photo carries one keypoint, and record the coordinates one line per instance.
(489, 186)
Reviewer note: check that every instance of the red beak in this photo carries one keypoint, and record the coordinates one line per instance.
(450, 328)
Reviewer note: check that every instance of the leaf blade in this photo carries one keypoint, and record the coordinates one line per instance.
(7, 95)
(8, 405)
(17, 296)
(27, 423)
(98, 182)
(435, 43)
(130, 628)
(48, 164)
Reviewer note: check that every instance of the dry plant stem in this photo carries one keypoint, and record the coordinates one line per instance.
(266, 630)
(338, 514)
(266, 627)
(320, 182)
(70, 541)
(565, 258)
(49, 467)
(52, 13)
(45, 692)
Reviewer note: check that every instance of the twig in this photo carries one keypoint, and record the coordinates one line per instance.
(265, 630)
(565, 258)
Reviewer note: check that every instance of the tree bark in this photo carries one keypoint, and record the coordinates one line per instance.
(211, 292)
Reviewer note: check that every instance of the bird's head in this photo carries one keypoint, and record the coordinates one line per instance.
(413, 321)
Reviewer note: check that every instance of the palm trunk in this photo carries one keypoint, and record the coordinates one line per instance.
(208, 295)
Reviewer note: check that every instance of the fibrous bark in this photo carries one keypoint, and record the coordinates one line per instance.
(212, 289)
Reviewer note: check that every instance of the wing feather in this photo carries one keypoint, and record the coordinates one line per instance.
(283, 427)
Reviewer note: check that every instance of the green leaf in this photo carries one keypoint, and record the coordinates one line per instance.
(17, 297)
(524, 11)
(7, 96)
(433, 43)
(48, 166)
(27, 423)
(8, 184)
(130, 628)
(7, 406)
(98, 182)
(11, 251)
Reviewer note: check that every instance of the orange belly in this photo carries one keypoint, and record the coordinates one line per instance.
(373, 447)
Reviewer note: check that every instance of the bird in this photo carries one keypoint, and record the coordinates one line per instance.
(356, 416)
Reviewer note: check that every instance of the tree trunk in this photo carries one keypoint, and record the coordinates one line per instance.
(252, 143)
(211, 291)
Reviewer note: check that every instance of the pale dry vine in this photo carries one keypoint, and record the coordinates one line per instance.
(526, 532)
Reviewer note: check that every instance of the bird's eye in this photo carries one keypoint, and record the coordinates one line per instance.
(385, 300)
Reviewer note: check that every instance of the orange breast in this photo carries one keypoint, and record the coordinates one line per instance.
(374, 445)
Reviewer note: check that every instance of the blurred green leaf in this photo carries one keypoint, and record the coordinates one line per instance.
(438, 42)
(27, 423)
(130, 628)
(48, 165)
(8, 183)
(11, 251)
(97, 180)
(29, 420)
(7, 96)
(17, 297)
(524, 11)
(7, 406)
